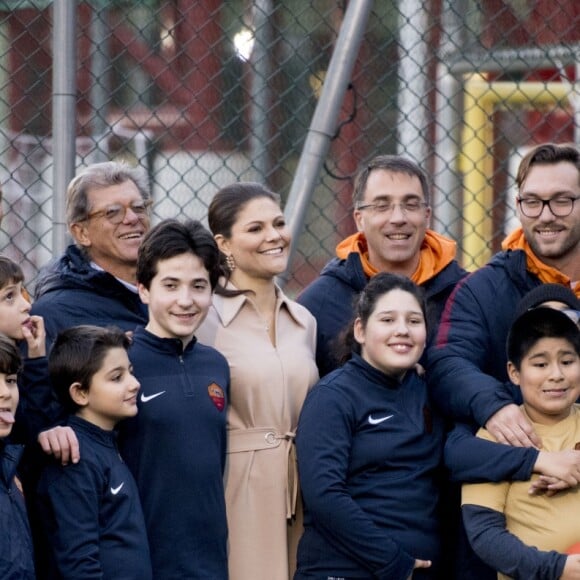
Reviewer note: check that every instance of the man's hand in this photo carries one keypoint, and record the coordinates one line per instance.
(571, 568)
(62, 443)
(35, 336)
(509, 426)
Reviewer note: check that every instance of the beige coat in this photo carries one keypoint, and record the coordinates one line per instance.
(268, 387)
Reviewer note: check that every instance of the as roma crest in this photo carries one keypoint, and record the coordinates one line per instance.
(216, 394)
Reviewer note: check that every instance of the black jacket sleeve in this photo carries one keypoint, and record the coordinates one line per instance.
(68, 501)
(474, 460)
(504, 552)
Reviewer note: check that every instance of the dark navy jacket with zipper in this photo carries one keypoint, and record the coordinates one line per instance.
(369, 453)
(16, 556)
(331, 296)
(467, 370)
(175, 447)
(91, 512)
(71, 292)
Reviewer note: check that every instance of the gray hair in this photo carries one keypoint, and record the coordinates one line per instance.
(99, 176)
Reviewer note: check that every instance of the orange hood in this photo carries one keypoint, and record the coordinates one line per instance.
(436, 253)
(548, 275)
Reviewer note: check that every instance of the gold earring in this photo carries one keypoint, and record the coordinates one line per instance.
(230, 262)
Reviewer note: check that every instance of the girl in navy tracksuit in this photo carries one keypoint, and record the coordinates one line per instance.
(369, 449)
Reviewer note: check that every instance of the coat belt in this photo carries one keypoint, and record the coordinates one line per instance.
(268, 438)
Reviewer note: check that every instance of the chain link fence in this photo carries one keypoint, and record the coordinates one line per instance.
(206, 92)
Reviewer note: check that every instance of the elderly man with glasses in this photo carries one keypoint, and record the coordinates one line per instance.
(93, 282)
(392, 213)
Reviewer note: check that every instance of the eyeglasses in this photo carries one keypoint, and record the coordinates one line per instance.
(560, 206)
(574, 315)
(116, 213)
(411, 206)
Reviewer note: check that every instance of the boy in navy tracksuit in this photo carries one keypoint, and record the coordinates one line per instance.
(176, 445)
(16, 324)
(90, 511)
(16, 557)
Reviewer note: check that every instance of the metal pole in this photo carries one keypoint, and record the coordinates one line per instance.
(100, 89)
(414, 84)
(259, 88)
(63, 113)
(446, 180)
(576, 104)
(324, 121)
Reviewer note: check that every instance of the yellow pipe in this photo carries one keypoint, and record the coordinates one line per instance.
(480, 100)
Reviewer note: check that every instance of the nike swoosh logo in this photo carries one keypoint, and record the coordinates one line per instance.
(374, 421)
(116, 490)
(145, 398)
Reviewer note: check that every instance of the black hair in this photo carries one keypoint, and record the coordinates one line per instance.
(78, 354)
(171, 238)
(548, 293)
(10, 358)
(10, 272)
(366, 302)
(536, 324)
(394, 164)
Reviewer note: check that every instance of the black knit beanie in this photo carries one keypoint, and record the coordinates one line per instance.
(547, 293)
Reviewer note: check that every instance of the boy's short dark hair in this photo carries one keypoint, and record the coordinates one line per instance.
(10, 359)
(78, 354)
(171, 238)
(536, 324)
(10, 272)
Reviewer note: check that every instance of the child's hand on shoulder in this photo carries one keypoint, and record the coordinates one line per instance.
(35, 336)
(62, 443)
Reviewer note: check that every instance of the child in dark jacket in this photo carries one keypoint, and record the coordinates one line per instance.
(16, 556)
(369, 449)
(90, 510)
(16, 324)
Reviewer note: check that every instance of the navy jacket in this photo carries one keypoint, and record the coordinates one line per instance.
(39, 407)
(175, 447)
(467, 364)
(70, 292)
(91, 512)
(16, 555)
(331, 296)
(369, 452)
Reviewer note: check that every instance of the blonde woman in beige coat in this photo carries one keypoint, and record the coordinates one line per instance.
(269, 342)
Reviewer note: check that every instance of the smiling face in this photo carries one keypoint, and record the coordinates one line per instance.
(14, 311)
(394, 337)
(113, 246)
(8, 402)
(178, 297)
(555, 240)
(394, 237)
(549, 377)
(259, 242)
(112, 394)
